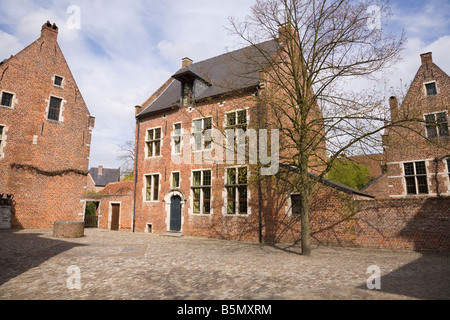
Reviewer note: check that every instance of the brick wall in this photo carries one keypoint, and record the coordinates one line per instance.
(409, 143)
(44, 162)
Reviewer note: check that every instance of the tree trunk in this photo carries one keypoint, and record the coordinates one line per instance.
(306, 246)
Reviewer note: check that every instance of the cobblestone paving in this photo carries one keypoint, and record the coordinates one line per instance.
(121, 265)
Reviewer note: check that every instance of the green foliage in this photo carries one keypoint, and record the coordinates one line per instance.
(350, 173)
(91, 208)
(128, 177)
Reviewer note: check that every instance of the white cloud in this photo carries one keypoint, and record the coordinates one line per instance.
(124, 51)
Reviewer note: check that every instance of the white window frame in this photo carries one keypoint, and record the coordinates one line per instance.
(435, 119)
(61, 108)
(425, 88)
(176, 136)
(236, 186)
(152, 191)
(13, 99)
(3, 140)
(427, 175)
(201, 187)
(179, 180)
(147, 141)
(194, 133)
(63, 80)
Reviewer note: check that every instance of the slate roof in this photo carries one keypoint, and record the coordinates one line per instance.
(229, 72)
(108, 176)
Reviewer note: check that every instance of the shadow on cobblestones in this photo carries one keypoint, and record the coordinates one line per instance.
(416, 280)
(20, 252)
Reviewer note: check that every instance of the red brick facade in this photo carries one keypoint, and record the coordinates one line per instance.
(46, 133)
(417, 154)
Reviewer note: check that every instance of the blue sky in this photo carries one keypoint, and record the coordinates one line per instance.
(125, 50)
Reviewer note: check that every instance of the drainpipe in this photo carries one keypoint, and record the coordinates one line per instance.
(136, 156)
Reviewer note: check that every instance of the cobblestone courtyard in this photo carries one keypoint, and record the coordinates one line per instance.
(122, 265)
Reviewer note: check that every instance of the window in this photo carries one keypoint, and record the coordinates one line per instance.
(202, 134)
(153, 141)
(7, 99)
(431, 89)
(176, 136)
(236, 187)
(188, 89)
(237, 120)
(2, 130)
(436, 125)
(54, 108)
(416, 178)
(296, 202)
(152, 188)
(201, 189)
(58, 81)
(175, 180)
(448, 168)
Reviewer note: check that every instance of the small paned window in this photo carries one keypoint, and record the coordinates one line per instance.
(416, 178)
(54, 108)
(176, 136)
(152, 187)
(175, 179)
(58, 81)
(201, 189)
(431, 89)
(153, 140)
(236, 187)
(202, 134)
(436, 125)
(7, 99)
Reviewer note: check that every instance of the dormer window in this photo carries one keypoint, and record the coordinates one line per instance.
(188, 93)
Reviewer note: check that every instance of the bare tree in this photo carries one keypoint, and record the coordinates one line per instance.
(322, 45)
(126, 157)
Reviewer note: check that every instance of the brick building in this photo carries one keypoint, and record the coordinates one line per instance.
(98, 178)
(182, 185)
(417, 154)
(45, 134)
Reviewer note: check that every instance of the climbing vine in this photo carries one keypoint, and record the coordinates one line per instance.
(47, 173)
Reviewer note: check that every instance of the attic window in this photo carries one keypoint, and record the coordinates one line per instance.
(187, 93)
(58, 81)
(7, 99)
(431, 89)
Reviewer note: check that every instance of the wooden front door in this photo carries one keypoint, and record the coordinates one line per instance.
(115, 216)
(175, 214)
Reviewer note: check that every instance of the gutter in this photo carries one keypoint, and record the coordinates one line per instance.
(136, 156)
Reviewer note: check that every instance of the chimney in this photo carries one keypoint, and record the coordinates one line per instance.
(137, 110)
(427, 58)
(393, 104)
(100, 170)
(49, 31)
(186, 62)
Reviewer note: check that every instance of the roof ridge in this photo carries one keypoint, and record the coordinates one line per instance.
(223, 54)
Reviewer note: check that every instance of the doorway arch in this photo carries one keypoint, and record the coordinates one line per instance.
(174, 200)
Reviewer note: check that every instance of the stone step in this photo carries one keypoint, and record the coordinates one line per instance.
(172, 234)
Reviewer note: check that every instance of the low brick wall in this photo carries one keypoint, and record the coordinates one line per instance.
(398, 224)
(68, 229)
